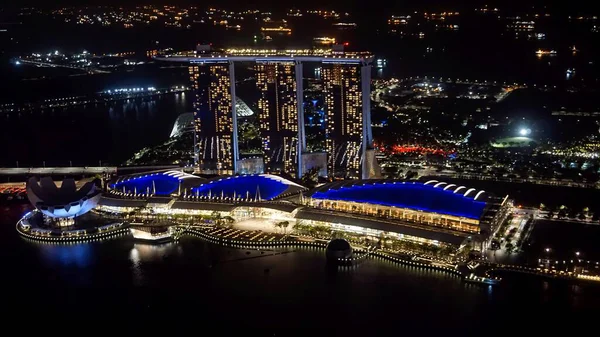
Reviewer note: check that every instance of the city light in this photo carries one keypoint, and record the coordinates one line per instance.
(127, 90)
(542, 52)
(317, 112)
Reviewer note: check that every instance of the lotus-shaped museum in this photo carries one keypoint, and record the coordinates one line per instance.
(65, 201)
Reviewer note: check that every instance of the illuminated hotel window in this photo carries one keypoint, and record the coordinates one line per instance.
(343, 107)
(213, 118)
(277, 114)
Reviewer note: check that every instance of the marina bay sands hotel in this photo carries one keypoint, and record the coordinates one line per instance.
(279, 78)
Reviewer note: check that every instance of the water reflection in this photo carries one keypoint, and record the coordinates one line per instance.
(142, 252)
(127, 126)
(77, 255)
(145, 255)
(128, 275)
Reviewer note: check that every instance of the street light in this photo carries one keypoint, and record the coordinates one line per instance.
(547, 250)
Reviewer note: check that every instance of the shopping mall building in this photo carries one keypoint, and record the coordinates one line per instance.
(425, 212)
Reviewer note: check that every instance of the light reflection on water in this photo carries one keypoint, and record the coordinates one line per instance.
(78, 255)
(143, 254)
(144, 259)
(126, 125)
(129, 277)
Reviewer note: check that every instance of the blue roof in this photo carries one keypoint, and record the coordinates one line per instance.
(269, 187)
(165, 183)
(413, 195)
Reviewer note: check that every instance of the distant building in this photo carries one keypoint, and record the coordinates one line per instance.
(183, 124)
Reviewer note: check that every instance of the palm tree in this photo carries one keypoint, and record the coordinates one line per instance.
(248, 132)
(285, 225)
(216, 217)
(311, 178)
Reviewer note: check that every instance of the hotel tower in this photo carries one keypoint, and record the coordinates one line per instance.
(279, 80)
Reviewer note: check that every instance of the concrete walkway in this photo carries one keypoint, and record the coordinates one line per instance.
(263, 225)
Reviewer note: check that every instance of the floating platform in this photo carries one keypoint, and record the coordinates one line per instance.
(148, 237)
(481, 280)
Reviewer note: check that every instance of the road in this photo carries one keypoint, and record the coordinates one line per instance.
(519, 220)
(433, 173)
(543, 215)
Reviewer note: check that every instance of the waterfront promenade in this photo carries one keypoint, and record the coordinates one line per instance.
(473, 270)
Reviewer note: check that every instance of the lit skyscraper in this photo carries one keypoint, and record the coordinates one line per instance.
(278, 115)
(215, 140)
(346, 87)
(346, 124)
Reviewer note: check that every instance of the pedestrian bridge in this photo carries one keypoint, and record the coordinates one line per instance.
(72, 170)
(57, 170)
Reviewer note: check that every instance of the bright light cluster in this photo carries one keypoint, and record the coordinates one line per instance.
(126, 90)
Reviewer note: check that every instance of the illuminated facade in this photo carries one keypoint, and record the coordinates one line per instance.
(429, 212)
(215, 140)
(278, 116)
(408, 201)
(64, 202)
(449, 210)
(348, 127)
(347, 85)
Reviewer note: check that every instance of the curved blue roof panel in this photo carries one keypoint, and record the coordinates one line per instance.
(266, 186)
(164, 185)
(158, 183)
(406, 195)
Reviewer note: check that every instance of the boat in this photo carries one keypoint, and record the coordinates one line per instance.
(541, 52)
(472, 278)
